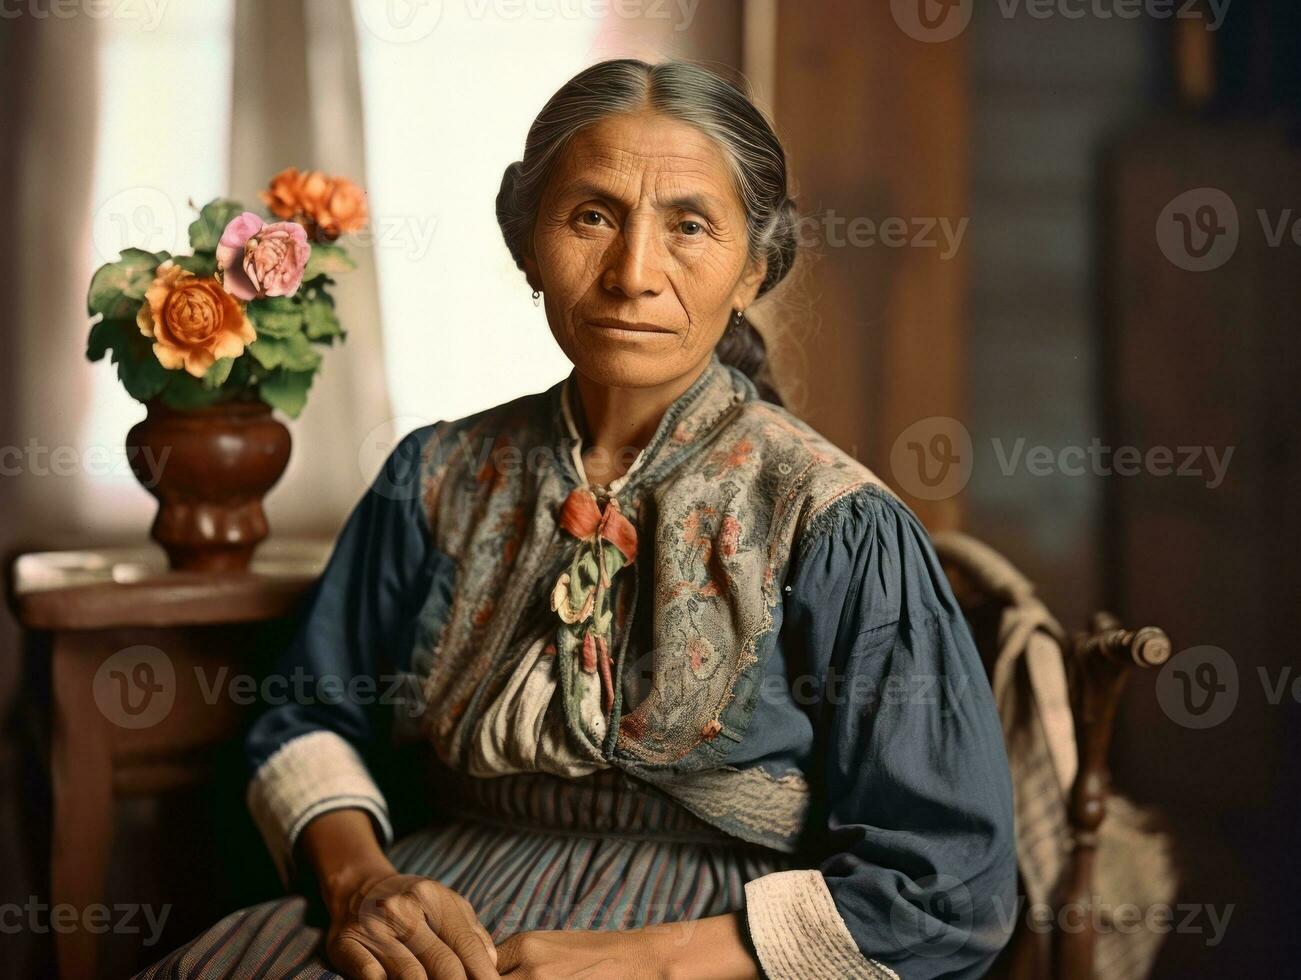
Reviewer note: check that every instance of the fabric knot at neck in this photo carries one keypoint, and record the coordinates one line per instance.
(584, 518)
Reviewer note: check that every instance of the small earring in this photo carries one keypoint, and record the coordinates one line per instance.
(536, 296)
(738, 316)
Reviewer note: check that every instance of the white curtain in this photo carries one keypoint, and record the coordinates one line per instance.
(297, 102)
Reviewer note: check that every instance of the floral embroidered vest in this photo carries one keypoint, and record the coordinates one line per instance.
(677, 574)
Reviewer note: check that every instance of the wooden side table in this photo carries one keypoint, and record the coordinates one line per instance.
(143, 667)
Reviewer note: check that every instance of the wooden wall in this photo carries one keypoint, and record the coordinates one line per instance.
(869, 337)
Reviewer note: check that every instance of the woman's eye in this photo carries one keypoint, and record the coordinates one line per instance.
(691, 228)
(591, 218)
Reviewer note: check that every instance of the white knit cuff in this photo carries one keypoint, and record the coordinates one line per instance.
(307, 776)
(799, 933)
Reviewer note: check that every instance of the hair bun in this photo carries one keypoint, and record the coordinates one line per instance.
(508, 209)
(783, 242)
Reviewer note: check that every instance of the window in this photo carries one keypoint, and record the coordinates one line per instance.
(164, 92)
(449, 95)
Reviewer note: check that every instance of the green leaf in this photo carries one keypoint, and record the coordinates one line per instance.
(139, 371)
(203, 265)
(187, 391)
(118, 288)
(320, 321)
(137, 367)
(293, 352)
(327, 260)
(276, 316)
(286, 390)
(274, 304)
(216, 375)
(138, 258)
(206, 229)
(278, 325)
(106, 335)
(241, 373)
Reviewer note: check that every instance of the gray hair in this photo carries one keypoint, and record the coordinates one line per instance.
(694, 95)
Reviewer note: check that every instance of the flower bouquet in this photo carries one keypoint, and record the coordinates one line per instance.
(211, 342)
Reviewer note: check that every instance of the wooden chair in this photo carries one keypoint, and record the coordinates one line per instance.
(1097, 663)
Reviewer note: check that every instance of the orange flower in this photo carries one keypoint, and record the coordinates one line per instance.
(343, 211)
(284, 195)
(327, 206)
(192, 321)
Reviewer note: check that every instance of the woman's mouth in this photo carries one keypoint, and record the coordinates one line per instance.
(626, 328)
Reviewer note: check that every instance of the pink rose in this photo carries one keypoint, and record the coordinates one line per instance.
(258, 259)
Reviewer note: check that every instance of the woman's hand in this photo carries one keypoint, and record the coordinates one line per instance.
(705, 949)
(389, 925)
(408, 927)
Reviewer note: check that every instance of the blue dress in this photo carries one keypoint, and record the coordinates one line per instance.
(856, 806)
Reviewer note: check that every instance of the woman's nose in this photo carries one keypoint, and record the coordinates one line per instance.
(636, 263)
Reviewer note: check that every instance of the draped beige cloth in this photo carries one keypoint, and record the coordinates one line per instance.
(1135, 859)
(51, 115)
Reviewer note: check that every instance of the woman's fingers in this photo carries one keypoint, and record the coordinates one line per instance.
(452, 918)
(354, 960)
(472, 946)
(477, 927)
(406, 927)
(399, 962)
(439, 959)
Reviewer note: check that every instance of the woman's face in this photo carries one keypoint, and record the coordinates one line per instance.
(640, 250)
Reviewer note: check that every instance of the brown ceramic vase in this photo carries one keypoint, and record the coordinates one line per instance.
(209, 468)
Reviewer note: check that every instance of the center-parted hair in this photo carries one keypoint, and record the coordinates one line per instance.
(692, 94)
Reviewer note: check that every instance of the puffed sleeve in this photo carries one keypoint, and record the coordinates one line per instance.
(917, 876)
(307, 751)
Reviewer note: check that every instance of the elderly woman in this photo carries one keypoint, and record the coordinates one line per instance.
(700, 701)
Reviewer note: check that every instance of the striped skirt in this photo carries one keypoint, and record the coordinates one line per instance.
(530, 851)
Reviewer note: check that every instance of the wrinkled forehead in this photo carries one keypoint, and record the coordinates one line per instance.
(631, 156)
